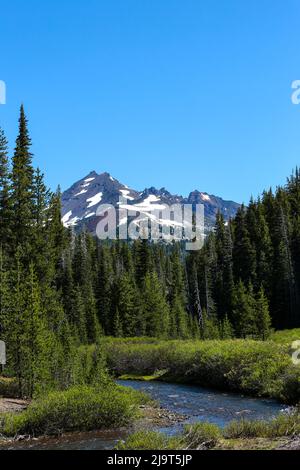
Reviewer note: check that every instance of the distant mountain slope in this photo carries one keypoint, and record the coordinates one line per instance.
(81, 200)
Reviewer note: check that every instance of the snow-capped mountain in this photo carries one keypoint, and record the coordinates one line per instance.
(81, 200)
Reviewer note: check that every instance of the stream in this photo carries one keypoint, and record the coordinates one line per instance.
(194, 402)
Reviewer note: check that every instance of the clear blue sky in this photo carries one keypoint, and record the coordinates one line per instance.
(178, 93)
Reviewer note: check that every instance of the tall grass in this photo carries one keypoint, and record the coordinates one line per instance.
(208, 436)
(287, 424)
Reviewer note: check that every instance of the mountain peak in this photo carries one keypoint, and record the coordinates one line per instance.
(80, 201)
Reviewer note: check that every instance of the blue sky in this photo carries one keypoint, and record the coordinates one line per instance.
(178, 93)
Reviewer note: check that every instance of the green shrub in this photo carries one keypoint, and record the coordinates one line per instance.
(79, 408)
(282, 425)
(245, 429)
(201, 434)
(136, 397)
(260, 368)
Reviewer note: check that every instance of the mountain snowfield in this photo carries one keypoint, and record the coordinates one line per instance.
(81, 200)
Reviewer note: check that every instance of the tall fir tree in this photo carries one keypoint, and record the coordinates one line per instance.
(155, 307)
(244, 256)
(262, 316)
(126, 307)
(244, 311)
(22, 188)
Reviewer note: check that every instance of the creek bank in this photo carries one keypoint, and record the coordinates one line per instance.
(159, 407)
(151, 417)
(158, 417)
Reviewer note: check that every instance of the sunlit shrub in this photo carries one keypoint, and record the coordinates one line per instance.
(78, 408)
(260, 368)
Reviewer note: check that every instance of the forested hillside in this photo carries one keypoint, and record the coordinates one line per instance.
(59, 290)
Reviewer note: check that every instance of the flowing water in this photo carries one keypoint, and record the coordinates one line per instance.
(202, 404)
(196, 403)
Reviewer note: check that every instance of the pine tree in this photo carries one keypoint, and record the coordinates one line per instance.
(156, 309)
(78, 315)
(173, 323)
(176, 281)
(35, 358)
(40, 241)
(179, 327)
(226, 329)
(56, 237)
(263, 319)
(177, 296)
(210, 327)
(26, 332)
(284, 295)
(67, 284)
(243, 313)
(143, 260)
(22, 187)
(117, 325)
(92, 325)
(41, 196)
(126, 304)
(224, 267)
(264, 249)
(83, 277)
(244, 256)
(104, 288)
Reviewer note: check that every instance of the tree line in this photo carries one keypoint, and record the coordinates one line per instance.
(249, 268)
(60, 289)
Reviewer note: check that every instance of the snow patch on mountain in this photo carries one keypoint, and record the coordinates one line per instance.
(66, 217)
(81, 192)
(145, 206)
(148, 204)
(88, 180)
(94, 199)
(126, 193)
